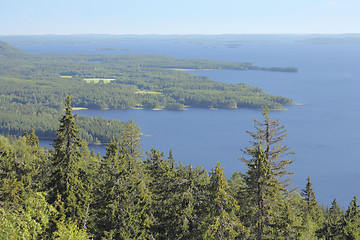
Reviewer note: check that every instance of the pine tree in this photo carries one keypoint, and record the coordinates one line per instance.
(66, 184)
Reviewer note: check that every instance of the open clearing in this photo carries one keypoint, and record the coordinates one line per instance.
(147, 92)
(97, 80)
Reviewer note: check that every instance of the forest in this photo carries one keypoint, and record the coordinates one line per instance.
(33, 86)
(68, 192)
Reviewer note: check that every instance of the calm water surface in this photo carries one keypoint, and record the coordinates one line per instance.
(323, 131)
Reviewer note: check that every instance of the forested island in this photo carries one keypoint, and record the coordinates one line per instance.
(32, 87)
(71, 193)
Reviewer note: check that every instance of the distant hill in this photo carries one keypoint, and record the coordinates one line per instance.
(9, 51)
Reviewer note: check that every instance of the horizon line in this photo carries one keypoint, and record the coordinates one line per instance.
(173, 34)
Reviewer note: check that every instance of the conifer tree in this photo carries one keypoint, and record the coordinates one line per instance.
(130, 141)
(288, 218)
(189, 199)
(236, 183)
(312, 215)
(161, 180)
(266, 179)
(221, 222)
(350, 227)
(259, 196)
(171, 159)
(332, 224)
(31, 138)
(308, 194)
(270, 134)
(179, 196)
(123, 199)
(66, 185)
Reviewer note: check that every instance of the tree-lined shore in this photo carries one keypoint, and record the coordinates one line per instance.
(33, 86)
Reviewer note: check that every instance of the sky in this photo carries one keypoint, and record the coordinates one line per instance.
(29, 17)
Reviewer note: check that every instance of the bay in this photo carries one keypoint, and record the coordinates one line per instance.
(323, 131)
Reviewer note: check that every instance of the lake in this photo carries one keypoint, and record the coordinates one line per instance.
(323, 130)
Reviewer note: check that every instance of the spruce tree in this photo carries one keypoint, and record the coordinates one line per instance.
(162, 177)
(259, 196)
(189, 198)
(67, 189)
(33, 139)
(270, 135)
(123, 198)
(332, 224)
(350, 228)
(130, 141)
(308, 194)
(312, 215)
(266, 180)
(221, 222)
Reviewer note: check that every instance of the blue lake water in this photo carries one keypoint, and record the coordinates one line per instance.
(323, 131)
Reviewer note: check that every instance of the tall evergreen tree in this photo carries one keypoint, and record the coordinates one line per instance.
(266, 179)
(310, 203)
(259, 196)
(270, 135)
(67, 189)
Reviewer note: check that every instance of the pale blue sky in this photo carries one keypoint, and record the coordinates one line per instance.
(178, 17)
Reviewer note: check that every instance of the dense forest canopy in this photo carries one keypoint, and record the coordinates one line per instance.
(32, 87)
(71, 193)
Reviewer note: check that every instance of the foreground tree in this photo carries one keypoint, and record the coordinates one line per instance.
(24, 212)
(221, 222)
(312, 217)
(350, 224)
(332, 224)
(123, 200)
(67, 183)
(266, 179)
